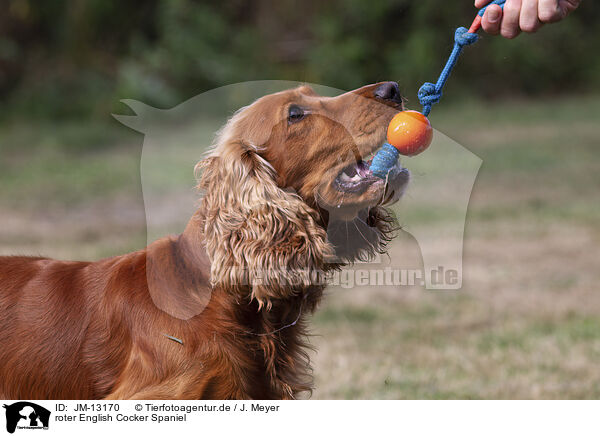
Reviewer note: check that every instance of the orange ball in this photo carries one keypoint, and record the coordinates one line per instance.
(410, 132)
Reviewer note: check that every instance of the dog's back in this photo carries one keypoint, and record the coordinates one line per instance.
(48, 311)
(90, 330)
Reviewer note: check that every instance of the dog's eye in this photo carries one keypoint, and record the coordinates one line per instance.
(295, 114)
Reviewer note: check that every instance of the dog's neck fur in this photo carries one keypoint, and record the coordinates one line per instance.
(276, 339)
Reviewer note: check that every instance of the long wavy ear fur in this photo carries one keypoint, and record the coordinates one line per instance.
(258, 236)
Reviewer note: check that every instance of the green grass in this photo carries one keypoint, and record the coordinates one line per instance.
(66, 164)
(336, 315)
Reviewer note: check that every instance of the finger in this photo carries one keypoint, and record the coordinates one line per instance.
(492, 19)
(549, 12)
(481, 3)
(568, 6)
(528, 20)
(510, 19)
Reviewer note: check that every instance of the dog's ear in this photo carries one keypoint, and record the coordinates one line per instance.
(259, 237)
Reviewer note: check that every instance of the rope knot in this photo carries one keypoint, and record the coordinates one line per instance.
(428, 96)
(462, 37)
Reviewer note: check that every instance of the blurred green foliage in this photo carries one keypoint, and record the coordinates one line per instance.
(77, 58)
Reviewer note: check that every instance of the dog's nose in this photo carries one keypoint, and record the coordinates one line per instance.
(389, 91)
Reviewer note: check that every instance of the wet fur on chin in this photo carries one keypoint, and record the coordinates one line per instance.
(365, 236)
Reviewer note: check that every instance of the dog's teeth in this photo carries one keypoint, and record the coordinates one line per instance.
(347, 179)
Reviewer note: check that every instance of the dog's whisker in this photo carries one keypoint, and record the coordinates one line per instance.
(363, 236)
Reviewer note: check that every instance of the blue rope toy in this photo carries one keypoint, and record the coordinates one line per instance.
(430, 93)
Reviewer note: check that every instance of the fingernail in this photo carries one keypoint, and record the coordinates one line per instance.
(493, 16)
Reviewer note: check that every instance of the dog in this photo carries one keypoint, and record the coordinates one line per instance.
(218, 312)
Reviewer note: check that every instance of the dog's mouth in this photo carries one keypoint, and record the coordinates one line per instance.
(354, 187)
(357, 177)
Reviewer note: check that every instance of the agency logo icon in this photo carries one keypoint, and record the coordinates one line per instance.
(26, 415)
(440, 191)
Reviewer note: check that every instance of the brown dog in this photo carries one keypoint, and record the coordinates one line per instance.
(217, 312)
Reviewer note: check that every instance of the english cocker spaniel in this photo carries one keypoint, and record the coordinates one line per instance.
(217, 312)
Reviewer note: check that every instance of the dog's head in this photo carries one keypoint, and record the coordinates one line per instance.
(292, 170)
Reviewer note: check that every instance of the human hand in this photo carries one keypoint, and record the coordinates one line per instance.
(523, 15)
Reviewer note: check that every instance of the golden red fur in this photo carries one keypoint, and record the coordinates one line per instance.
(234, 287)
